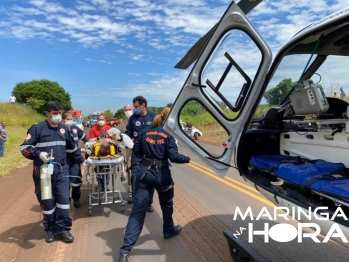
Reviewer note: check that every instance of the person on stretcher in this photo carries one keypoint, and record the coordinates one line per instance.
(102, 148)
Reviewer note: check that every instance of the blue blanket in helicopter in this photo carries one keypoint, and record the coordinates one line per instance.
(326, 177)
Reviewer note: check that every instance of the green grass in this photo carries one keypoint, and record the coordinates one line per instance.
(18, 118)
(211, 129)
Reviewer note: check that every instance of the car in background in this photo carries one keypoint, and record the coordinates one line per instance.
(113, 122)
(195, 132)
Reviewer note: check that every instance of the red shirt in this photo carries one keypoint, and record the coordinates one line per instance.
(97, 131)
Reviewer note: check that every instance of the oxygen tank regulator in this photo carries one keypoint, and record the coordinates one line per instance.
(46, 171)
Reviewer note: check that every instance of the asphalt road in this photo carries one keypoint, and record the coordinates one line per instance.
(204, 204)
(221, 197)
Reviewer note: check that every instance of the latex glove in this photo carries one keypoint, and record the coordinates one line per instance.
(44, 157)
(116, 137)
(127, 140)
(113, 131)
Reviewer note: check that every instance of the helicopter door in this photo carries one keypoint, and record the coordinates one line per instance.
(220, 90)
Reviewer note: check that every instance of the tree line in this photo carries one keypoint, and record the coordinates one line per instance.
(38, 92)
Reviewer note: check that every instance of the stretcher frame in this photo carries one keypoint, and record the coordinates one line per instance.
(98, 197)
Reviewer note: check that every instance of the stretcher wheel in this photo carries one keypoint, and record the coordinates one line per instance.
(90, 212)
(122, 208)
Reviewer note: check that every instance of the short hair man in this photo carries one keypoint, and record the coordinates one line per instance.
(12, 99)
(141, 119)
(41, 138)
(128, 111)
(343, 95)
(3, 137)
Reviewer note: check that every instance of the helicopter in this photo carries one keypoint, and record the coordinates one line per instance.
(275, 147)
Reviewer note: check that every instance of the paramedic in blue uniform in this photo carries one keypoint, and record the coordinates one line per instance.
(74, 157)
(141, 119)
(157, 146)
(41, 138)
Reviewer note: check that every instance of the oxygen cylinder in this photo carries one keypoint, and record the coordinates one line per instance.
(50, 168)
(45, 183)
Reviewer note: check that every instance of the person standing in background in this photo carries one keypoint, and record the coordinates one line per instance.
(12, 99)
(343, 95)
(100, 131)
(128, 111)
(3, 137)
(335, 95)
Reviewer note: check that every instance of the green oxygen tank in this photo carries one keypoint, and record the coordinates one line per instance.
(45, 183)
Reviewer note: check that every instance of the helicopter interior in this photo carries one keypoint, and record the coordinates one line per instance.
(295, 129)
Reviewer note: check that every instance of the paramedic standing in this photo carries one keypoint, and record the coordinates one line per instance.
(157, 146)
(100, 131)
(128, 111)
(41, 138)
(141, 119)
(74, 157)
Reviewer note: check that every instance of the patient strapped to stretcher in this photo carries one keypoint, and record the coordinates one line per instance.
(103, 151)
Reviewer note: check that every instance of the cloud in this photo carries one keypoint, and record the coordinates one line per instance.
(150, 31)
(98, 60)
(168, 84)
(137, 57)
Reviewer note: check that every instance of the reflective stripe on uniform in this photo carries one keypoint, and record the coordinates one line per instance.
(52, 143)
(83, 136)
(63, 206)
(75, 185)
(76, 138)
(25, 146)
(72, 150)
(49, 212)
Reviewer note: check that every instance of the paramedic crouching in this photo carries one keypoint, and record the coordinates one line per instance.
(41, 139)
(157, 146)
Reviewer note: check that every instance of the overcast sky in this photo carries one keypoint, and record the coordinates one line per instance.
(104, 52)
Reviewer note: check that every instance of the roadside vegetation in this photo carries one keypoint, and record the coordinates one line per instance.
(194, 113)
(18, 118)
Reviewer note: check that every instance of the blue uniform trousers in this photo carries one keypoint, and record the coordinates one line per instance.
(56, 211)
(75, 178)
(141, 198)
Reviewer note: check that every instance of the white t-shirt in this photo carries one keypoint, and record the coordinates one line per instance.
(12, 99)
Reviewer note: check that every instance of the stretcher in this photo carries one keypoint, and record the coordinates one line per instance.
(330, 180)
(101, 167)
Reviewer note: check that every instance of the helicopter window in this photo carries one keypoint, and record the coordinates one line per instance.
(230, 71)
(200, 126)
(332, 72)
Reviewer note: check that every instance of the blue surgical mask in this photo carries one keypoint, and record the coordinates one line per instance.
(138, 111)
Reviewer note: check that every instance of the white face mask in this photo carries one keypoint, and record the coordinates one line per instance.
(101, 123)
(56, 119)
(128, 113)
(68, 122)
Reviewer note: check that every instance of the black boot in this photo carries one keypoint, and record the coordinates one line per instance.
(129, 201)
(150, 209)
(175, 232)
(77, 203)
(50, 238)
(65, 237)
(123, 257)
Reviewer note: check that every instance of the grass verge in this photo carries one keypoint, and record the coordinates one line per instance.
(18, 118)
